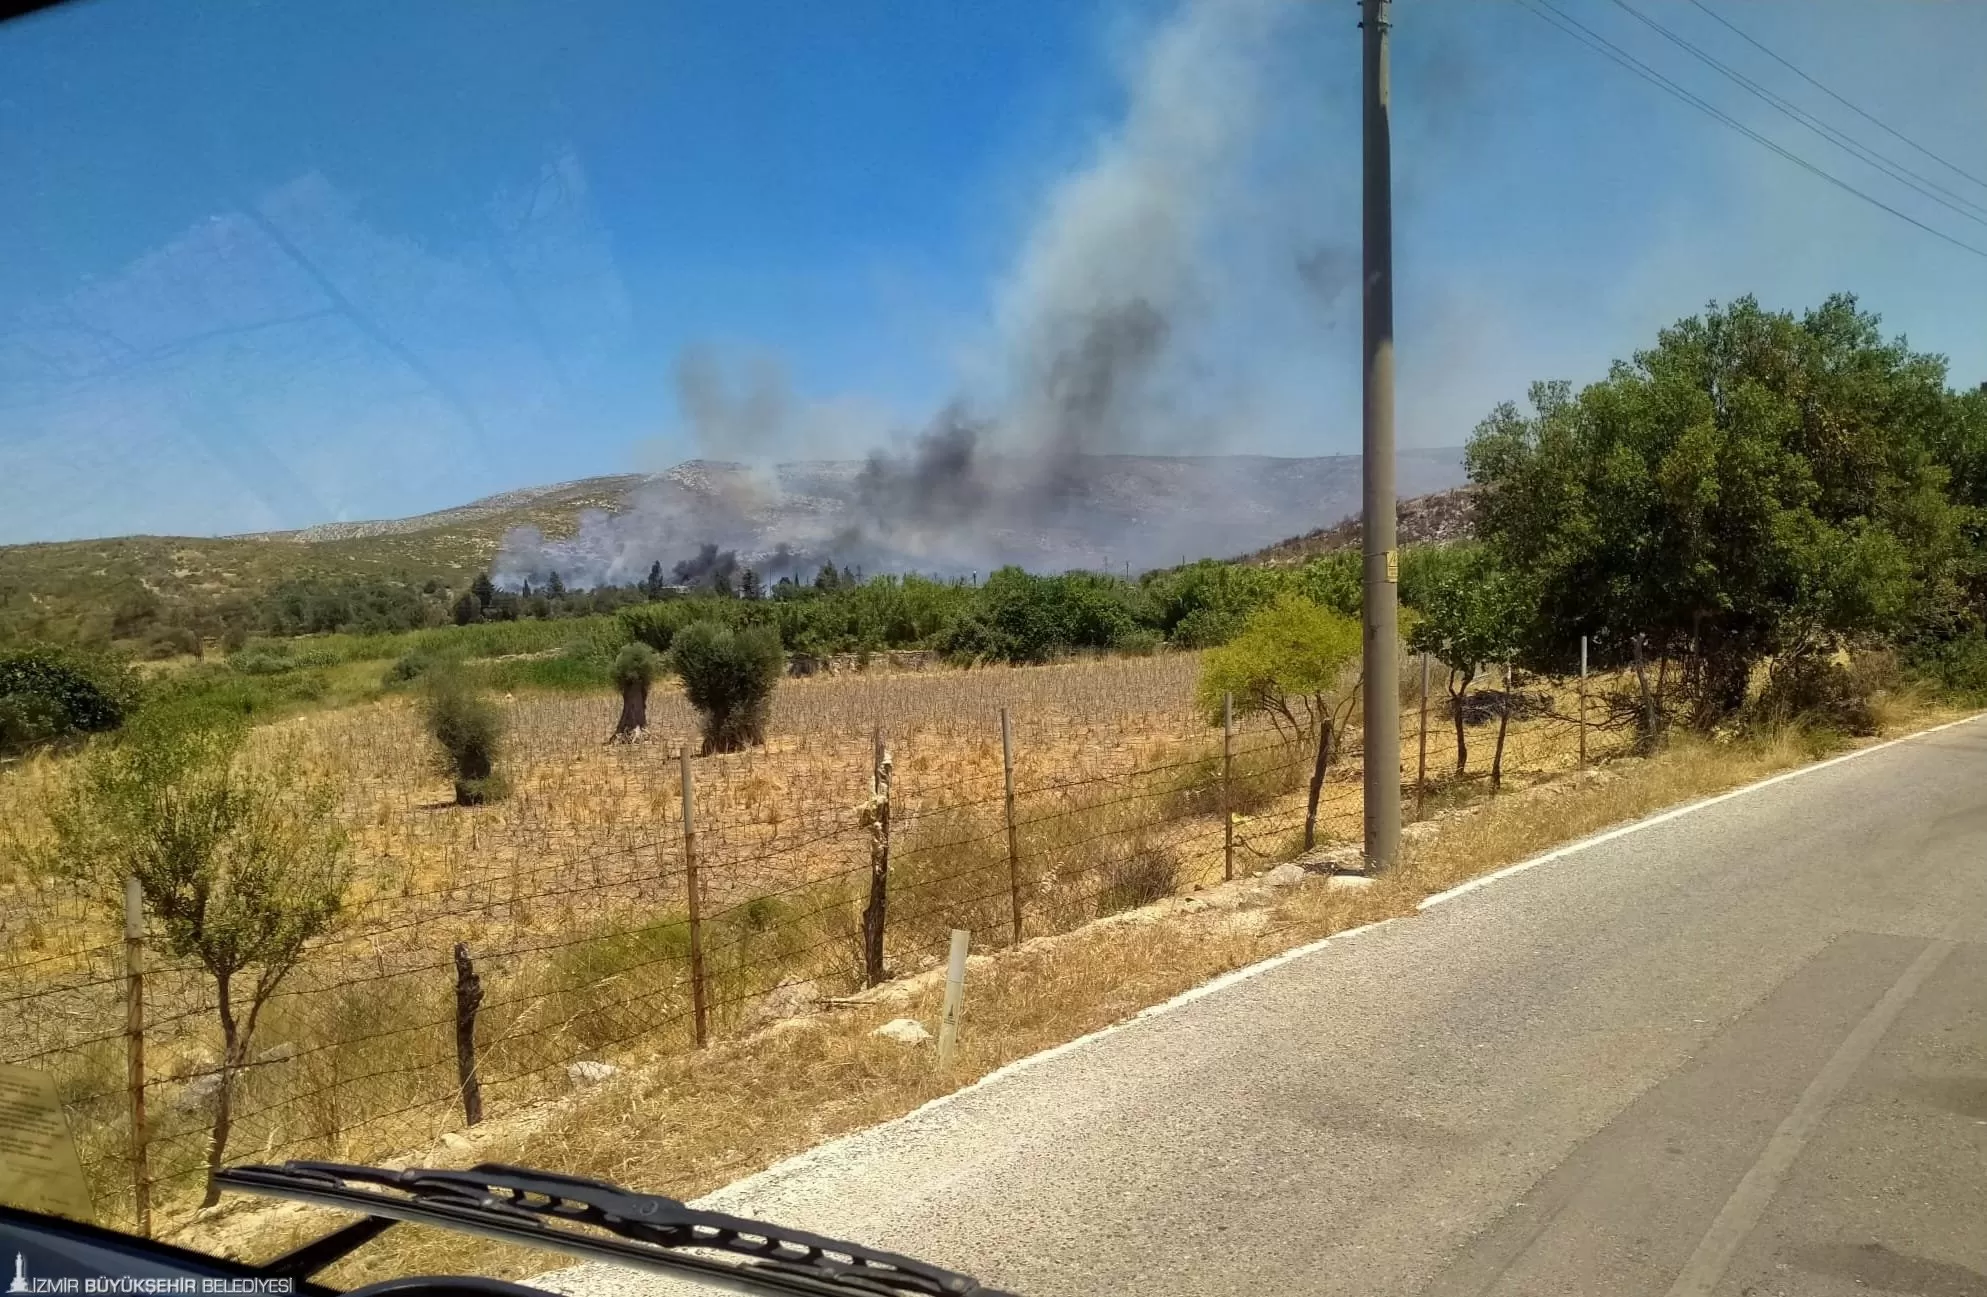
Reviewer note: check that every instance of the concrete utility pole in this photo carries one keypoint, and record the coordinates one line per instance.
(1382, 699)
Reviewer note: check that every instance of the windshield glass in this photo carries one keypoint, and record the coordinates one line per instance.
(633, 589)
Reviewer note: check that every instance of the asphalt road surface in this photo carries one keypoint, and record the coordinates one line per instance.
(1741, 1051)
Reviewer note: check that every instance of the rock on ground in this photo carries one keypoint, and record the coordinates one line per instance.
(905, 1031)
(589, 1071)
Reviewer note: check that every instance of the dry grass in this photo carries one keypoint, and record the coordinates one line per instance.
(684, 1123)
(571, 896)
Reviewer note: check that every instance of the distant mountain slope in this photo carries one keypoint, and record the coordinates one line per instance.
(1431, 519)
(1145, 511)
(1104, 511)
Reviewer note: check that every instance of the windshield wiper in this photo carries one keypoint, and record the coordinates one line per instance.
(540, 1209)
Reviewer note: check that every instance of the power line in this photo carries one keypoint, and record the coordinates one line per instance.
(1925, 185)
(1541, 9)
(1874, 121)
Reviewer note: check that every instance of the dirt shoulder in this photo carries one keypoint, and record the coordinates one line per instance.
(685, 1124)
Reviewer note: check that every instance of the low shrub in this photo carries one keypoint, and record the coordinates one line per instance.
(48, 694)
(468, 729)
(1822, 692)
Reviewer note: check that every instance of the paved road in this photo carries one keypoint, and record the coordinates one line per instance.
(1743, 1051)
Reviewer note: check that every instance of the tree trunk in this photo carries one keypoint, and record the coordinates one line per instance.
(1458, 695)
(232, 1046)
(1503, 724)
(1318, 782)
(634, 720)
(1648, 699)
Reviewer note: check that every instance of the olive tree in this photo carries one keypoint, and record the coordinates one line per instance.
(635, 668)
(1756, 486)
(1296, 663)
(239, 858)
(1470, 617)
(469, 731)
(729, 677)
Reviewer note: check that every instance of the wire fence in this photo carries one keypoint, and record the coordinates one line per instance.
(499, 986)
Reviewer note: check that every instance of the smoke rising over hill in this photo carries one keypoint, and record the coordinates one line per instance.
(1100, 345)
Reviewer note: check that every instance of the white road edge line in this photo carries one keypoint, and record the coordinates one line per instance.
(1741, 1212)
(1676, 812)
(843, 1145)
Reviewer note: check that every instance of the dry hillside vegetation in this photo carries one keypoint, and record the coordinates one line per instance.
(570, 895)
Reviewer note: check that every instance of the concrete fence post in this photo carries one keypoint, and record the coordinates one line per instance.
(955, 994)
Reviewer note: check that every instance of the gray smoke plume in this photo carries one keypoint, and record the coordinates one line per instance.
(1085, 326)
(731, 417)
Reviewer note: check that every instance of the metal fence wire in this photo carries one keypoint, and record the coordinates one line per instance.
(374, 1042)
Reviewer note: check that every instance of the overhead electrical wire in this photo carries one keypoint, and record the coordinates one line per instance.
(1553, 16)
(1925, 185)
(1875, 121)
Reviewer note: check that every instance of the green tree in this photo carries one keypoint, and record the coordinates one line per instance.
(48, 694)
(483, 589)
(1471, 615)
(635, 668)
(239, 859)
(469, 731)
(467, 611)
(1756, 485)
(729, 677)
(1298, 664)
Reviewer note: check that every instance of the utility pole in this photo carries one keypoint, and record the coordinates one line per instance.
(1382, 697)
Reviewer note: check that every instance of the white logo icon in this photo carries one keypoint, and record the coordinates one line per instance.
(20, 1283)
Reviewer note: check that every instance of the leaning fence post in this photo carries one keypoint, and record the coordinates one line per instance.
(1583, 702)
(134, 1037)
(699, 1010)
(468, 999)
(1421, 756)
(1228, 786)
(955, 993)
(877, 817)
(1013, 845)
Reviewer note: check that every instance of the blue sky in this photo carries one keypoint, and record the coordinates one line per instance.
(275, 264)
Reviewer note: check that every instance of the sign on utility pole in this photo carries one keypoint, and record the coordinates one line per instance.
(1382, 698)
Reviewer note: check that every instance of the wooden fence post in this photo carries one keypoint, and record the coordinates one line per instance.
(1013, 844)
(1324, 757)
(1583, 702)
(877, 817)
(955, 993)
(468, 999)
(699, 1009)
(1421, 756)
(134, 1061)
(1228, 786)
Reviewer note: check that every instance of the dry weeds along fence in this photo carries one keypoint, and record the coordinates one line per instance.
(478, 987)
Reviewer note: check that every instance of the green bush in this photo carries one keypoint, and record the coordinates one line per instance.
(48, 694)
(411, 666)
(1820, 691)
(469, 730)
(1955, 666)
(263, 660)
(729, 676)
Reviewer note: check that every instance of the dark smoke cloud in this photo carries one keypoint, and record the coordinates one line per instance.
(1328, 270)
(940, 478)
(710, 568)
(1086, 324)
